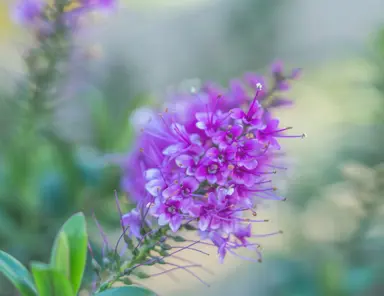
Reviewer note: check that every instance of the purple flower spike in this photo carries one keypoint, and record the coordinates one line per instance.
(208, 161)
(26, 12)
(277, 67)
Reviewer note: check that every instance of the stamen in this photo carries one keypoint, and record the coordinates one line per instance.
(193, 249)
(190, 272)
(267, 234)
(172, 269)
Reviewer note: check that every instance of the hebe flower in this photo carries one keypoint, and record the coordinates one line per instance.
(34, 13)
(26, 12)
(208, 160)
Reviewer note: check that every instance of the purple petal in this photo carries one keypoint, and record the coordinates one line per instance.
(202, 117)
(284, 85)
(212, 179)
(171, 191)
(277, 67)
(163, 219)
(250, 164)
(184, 161)
(194, 210)
(201, 173)
(154, 187)
(151, 174)
(204, 223)
(237, 113)
(191, 183)
(172, 149)
(201, 125)
(212, 153)
(236, 130)
(175, 223)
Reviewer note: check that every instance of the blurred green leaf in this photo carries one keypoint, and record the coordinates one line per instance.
(357, 280)
(50, 281)
(127, 291)
(17, 274)
(76, 233)
(331, 275)
(60, 254)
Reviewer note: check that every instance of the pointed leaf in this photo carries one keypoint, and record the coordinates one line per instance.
(17, 274)
(132, 290)
(76, 233)
(60, 254)
(50, 282)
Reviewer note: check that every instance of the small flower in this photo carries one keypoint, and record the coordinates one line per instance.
(133, 221)
(268, 134)
(229, 136)
(209, 170)
(182, 189)
(256, 81)
(247, 152)
(210, 122)
(252, 117)
(169, 212)
(242, 233)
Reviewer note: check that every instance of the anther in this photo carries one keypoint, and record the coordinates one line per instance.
(141, 150)
(259, 86)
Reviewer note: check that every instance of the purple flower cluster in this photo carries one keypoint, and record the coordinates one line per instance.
(31, 12)
(208, 160)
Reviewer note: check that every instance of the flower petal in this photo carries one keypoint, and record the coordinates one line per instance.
(175, 223)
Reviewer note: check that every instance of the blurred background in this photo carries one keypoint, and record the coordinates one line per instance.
(333, 220)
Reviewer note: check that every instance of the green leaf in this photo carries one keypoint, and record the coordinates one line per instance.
(17, 274)
(60, 254)
(76, 233)
(132, 290)
(50, 282)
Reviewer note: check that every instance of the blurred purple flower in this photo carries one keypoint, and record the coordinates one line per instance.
(26, 12)
(133, 221)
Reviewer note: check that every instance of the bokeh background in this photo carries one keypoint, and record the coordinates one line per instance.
(333, 220)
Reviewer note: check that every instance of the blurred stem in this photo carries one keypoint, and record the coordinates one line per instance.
(355, 257)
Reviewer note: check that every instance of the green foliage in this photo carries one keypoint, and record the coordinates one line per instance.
(60, 254)
(17, 274)
(50, 281)
(64, 274)
(72, 240)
